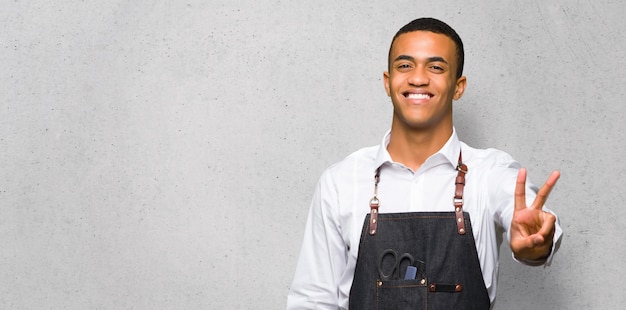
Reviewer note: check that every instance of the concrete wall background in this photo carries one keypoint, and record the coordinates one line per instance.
(162, 154)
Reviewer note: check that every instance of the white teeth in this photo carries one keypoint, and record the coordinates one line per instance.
(418, 96)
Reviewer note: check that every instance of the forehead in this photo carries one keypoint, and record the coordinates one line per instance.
(424, 44)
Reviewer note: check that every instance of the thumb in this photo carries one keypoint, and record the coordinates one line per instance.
(538, 240)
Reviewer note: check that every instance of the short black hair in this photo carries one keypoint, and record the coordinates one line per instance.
(436, 26)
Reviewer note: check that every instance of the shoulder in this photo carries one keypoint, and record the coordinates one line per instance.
(492, 173)
(489, 158)
(360, 161)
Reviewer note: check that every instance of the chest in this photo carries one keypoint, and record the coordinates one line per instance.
(407, 192)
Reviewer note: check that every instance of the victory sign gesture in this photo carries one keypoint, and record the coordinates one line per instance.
(532, 229)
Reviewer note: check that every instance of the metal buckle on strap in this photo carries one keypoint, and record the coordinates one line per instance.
(374, 203)
(461, 167)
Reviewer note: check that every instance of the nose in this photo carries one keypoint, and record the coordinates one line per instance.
(419, 77)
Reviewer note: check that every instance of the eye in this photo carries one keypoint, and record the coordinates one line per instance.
(404, 67)
(437, 68)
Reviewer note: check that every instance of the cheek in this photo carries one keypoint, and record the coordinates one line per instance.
(448, 89)
(394, 85)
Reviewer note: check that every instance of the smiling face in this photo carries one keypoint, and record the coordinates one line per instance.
(422, 82)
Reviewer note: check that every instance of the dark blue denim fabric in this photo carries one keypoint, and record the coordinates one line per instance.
(450, 259)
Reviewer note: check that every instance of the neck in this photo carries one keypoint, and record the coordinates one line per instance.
(413, 147)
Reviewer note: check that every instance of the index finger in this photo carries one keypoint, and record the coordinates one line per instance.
(544, 191)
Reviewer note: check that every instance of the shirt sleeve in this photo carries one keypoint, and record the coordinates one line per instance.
(504, 201)
(323, 255)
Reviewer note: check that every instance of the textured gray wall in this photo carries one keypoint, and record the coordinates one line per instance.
(162, 154)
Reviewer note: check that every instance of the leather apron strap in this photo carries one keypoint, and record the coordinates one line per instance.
(458, 195)
(457, 200)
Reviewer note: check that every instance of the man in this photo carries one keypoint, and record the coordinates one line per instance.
(415, 221)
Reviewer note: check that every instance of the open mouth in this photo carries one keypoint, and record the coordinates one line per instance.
(417, 96)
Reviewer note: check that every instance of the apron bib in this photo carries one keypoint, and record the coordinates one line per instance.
(419, 260)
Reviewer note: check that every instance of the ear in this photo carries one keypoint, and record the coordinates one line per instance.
(386, 82)
(459, 89)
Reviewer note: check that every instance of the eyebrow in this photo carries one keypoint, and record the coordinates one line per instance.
(429, 59)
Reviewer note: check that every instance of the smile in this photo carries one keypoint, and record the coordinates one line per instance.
(418, 96)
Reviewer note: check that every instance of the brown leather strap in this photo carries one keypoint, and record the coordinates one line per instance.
(458, 199)
(458, 196)
(374, 203)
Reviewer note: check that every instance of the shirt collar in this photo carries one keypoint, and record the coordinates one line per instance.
(448, 153)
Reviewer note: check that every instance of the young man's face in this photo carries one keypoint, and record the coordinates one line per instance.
(422, 80)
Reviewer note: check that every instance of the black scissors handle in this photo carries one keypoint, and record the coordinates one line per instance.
(397, 259)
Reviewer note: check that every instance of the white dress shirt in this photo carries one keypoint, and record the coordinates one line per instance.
(325, 268)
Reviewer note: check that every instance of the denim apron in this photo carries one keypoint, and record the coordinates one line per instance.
(439, 247)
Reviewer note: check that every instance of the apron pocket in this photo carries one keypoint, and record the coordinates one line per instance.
(401, 294)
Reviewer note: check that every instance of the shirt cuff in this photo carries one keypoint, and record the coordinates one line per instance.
(533, 262)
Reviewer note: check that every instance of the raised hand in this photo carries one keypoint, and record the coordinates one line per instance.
(532, 229)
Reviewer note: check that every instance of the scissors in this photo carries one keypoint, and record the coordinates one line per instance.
(391, 264)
